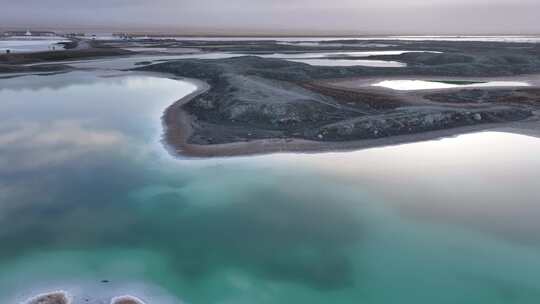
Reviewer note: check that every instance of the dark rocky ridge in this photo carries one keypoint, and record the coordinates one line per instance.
(60, 55)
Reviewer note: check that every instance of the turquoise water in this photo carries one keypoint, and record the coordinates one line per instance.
(91, 203)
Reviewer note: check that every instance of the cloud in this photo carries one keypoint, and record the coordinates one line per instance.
(28, 146)
(266, 16)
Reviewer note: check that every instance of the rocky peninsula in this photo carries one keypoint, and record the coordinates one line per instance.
(250, 104)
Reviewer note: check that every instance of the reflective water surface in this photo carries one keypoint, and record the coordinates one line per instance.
(344, 58)
(30, 44)
(349, 62)
(91, 203)
(311, 58)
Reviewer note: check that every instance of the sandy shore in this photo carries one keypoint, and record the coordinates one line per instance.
(178, 127)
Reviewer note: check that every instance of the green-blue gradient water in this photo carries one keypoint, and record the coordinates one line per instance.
(92, 203)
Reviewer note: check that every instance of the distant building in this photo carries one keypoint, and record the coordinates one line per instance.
(28, 33)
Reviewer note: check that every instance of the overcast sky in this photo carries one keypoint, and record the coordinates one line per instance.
(280, 16)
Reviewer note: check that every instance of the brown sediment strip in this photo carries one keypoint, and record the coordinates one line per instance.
(270, 146)
(374, 100)
(179, 124)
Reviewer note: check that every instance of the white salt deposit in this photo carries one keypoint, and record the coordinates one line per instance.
(411, 85)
